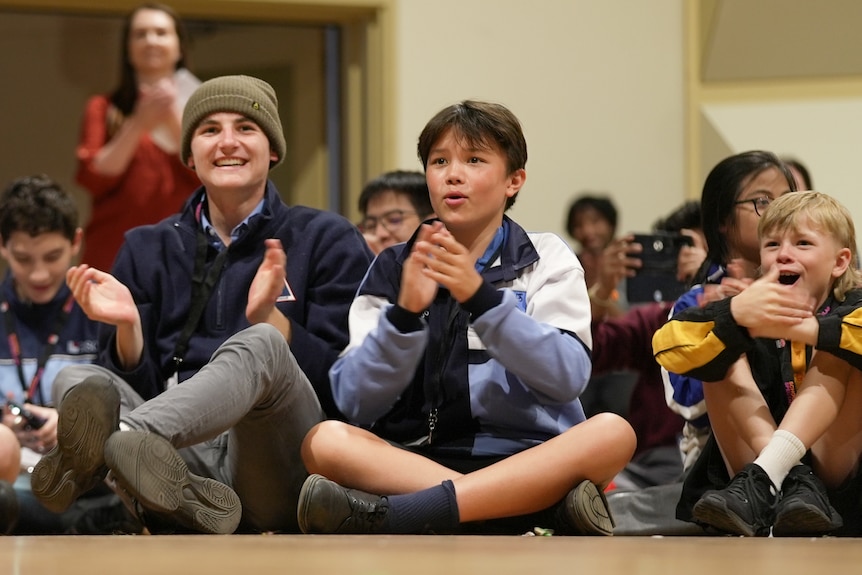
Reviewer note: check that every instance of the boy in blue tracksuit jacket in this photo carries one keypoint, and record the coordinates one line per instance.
(184, 369)
(469, 347)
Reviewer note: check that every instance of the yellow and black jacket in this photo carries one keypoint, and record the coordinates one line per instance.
(703, 342)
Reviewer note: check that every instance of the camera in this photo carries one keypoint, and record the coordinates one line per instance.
(656, 280)
(30, 420)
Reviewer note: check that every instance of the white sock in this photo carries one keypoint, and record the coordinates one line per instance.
(782, 453)
(124, 426)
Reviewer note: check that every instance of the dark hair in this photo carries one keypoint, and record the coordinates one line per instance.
(410, 183)
(479, 125)
(126, 94)
(685, 217)
(601, 204)
(720, 192)
(37, 205)
(803, 171)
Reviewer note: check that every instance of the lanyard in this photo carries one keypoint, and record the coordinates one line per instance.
(47, 349)
(202, 286)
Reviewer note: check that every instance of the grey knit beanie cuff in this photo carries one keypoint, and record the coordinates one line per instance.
(244, 95)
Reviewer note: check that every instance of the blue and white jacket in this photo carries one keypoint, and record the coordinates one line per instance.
(517, 360)
(684, 393)
(77, 343)
(326, 260)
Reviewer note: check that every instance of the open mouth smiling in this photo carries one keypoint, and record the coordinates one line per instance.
(788, 279)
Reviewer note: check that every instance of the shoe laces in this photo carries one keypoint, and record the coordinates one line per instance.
(805, 481)
(367, 512)
(747, 487)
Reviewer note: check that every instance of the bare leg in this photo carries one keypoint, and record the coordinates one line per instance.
(837, 452)
(523, 483)
(10, 454)
(358, 459)
(535, 479)
(739, 416)
(819, 398)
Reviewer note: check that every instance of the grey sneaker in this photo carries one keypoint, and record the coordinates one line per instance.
(584, 511)
(151, 471)
(88, 415)
(327, 507)
(804, 508)
(745, 507)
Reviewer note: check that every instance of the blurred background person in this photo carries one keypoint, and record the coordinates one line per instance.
(592, 222)
(128, 151)
(392, 206)
(800, 173)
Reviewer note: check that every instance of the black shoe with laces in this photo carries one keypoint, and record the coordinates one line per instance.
(327, 507)
(804, 507)
(745, 507)
(88, 415)
(584, 511)
(104, 515)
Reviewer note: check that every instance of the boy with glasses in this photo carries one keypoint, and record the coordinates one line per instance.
(393, 205)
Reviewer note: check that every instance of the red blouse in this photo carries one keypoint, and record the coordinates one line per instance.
(154, 186)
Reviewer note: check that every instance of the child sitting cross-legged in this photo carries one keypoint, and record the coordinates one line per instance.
(469, 346)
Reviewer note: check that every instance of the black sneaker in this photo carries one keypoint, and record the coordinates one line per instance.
(8, 507)
(103, 515)
(88, 415)
(804, 507)
(584, 511)
(327, 507)
(151, 471)
(745, 507)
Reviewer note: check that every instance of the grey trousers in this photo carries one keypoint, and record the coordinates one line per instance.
(240, 420)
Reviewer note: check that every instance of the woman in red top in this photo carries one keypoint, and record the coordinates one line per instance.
(128, 154)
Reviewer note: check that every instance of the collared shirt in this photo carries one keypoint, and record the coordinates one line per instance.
(235, 233)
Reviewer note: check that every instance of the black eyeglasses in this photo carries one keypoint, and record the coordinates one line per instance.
(391, 221)
(760, 204)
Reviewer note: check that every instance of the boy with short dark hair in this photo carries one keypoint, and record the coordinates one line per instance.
(42, 329)
(469, 347)
(393, 205)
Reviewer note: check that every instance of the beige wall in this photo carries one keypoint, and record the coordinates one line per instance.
(599, 92)
(597, 85)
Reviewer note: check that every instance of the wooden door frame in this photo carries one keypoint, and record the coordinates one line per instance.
(369, 111)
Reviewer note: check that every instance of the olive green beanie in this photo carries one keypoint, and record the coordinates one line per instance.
(244, 95)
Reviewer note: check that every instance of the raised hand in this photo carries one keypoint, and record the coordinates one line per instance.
(448, 263)
(267, 285)
(617, 262)
(156, 103)
(768, 307)
(102, 297)
(417, 289)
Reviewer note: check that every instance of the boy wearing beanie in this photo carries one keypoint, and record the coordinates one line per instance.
(221, 325)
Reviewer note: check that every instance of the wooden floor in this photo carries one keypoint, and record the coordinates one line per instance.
(419, 555)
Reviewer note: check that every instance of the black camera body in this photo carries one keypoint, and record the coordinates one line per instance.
(30, 420)
(656, 280)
